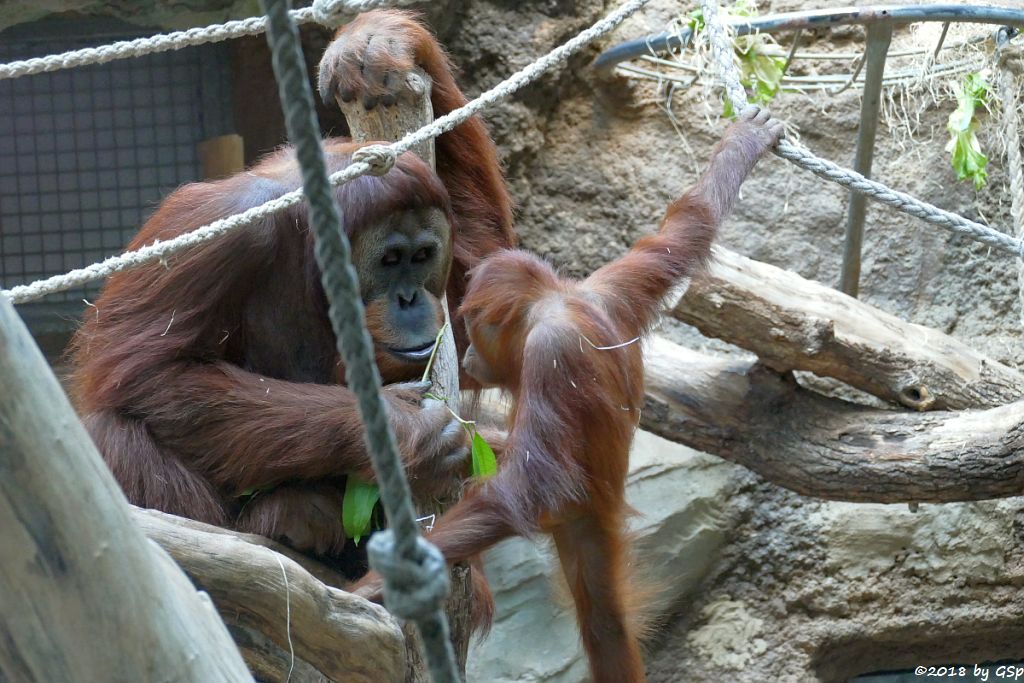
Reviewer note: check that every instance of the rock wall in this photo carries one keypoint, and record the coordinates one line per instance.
(762, 584)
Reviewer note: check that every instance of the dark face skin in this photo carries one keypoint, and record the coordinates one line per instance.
(403, 265)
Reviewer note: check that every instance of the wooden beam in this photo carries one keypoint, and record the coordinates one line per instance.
(340, 635)
(825, 447)
(221, 156)
(795, 324)
(84, 596)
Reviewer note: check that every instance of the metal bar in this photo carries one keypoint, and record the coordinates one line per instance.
(850, 81)
(792, 50)
(942, 40)
(828, 81)
(792, 21)
(878, 39)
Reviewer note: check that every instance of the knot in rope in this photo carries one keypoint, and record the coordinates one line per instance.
(333, 12)
(412, 590)
(379, 158)
(1009, 56)
(337, 12)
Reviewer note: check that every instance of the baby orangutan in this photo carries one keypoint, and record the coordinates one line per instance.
(569, 354)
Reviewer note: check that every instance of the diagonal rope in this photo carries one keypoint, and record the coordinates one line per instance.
(326, 12)
(416, 579)
(160, 250)
(722, 55)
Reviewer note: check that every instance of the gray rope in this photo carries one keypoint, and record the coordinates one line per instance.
(336, 12)
(163, 42)
(380, 156)
(1008, 62)
(516, 81)
(721, 50)
(327, 12)
(415, 575)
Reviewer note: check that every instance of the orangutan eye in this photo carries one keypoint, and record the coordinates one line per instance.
(422, 254)
(391, 257)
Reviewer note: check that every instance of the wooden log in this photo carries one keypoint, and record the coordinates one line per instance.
(84, 596)
(268, 662)
(144, 518)
(328, 631)
(825, 447)
(796, 324)
(412, 111)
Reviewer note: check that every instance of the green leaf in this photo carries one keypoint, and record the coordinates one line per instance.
(248, 494)
(727, 110)
(744, 8)
(977, 88)
(484, 463)
(967, 158)
(760, 73)
(357, 507)
(696, 20)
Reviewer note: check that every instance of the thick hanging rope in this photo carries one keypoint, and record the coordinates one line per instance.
(327, 12)
(416, 578)
(1010, 63)
(722, 55)
(375, 157)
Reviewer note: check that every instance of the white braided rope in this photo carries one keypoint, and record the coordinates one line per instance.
(333, 12)
(144, 46)
(721, 48)
(161, 250)
(326, 12)
(1009, 94)
(513, 83)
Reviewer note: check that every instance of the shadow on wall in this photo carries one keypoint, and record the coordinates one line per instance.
(982, 654)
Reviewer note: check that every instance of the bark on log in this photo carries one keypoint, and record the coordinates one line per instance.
(413, 111)
(827, 448)
(84, 596)
(796, 324)
(335, 633)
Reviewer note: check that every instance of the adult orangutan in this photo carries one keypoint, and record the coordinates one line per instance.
(569, 354)
(216, 373)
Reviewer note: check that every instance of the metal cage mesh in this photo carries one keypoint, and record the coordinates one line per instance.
(86, 154)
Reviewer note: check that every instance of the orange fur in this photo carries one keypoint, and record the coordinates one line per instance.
(569, 353)
(217, 372)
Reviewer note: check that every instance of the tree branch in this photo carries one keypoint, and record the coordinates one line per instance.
(343, 636)
(824, 447)
(796, 324)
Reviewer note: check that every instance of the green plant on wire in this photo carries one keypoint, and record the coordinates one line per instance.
(967, 158)
(760, 73)
(361, 496)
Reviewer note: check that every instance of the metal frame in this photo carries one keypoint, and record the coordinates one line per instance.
(880, 21)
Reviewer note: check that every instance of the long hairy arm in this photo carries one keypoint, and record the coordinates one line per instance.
(634, 286)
